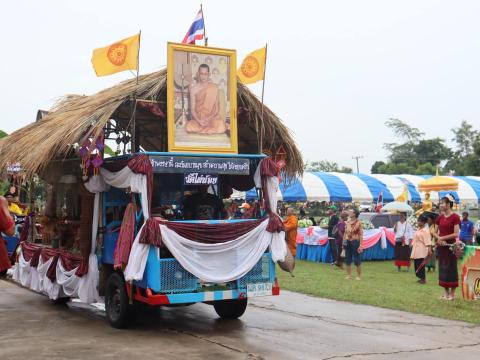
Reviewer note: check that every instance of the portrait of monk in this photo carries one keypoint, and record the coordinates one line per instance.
(207, 104)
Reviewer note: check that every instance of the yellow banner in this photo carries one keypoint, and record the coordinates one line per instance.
(120, 56)
(253, 67)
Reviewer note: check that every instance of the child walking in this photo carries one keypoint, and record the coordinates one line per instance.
(421, 248)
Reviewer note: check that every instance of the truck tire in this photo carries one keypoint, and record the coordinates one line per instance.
(61, 301)
(117, 307)
(230, 309)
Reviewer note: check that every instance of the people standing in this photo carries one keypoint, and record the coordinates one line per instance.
(332, 232)
(448, 229)
(421, 248)
(341, 226)
(353, 244)
(403, 236)
(291, 224)
(302, 212)
(7, 226)
(433, 227)
(467, 229)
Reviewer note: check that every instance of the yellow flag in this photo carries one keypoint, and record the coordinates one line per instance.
(120, 56)
(253, 67)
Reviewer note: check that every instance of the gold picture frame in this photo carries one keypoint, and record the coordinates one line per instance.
(201, 99)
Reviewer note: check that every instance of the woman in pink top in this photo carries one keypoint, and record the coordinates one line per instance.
(421, 247)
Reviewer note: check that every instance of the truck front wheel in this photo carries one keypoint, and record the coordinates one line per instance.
(230, 309)
(117, 307)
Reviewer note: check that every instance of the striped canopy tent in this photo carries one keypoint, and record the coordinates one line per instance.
(339, 187)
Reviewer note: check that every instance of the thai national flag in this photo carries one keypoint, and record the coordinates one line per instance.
(379, 205)
(196, 31)
(380, 198)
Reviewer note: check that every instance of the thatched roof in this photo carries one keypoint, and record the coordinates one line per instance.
(71, 119)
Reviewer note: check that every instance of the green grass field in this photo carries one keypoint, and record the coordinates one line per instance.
(382, 285)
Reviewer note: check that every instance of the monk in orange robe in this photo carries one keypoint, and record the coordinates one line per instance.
(291, 225)
(205, 105)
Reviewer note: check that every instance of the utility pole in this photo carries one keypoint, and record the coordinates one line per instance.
(356, 158)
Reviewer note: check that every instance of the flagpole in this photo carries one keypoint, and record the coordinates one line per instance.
(138, 54)
(204, 27)
(133, 130)
(260, 145)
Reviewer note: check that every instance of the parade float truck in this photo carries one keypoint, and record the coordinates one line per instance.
(150, 224)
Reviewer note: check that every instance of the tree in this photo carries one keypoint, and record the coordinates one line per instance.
(464, 137)
(345, 170)
(433, 151)
(466, 159)
(413, 154)
(403, 130)
(3, 134)
(376, 167)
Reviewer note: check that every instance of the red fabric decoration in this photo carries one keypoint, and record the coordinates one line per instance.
(268, 168)
(141, 164)
(70, 261)
(83, 267)
(125, 237)
(213, 233)
(25, 230)
(35, 258)
(28, 250)
(151, 233)
(32, 252)
(52, 269)
(203, 233)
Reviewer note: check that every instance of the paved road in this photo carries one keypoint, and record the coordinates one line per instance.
(291, 326)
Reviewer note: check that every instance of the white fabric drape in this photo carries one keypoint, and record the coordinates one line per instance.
(121, 179)
(137, 259)
(221, 262)
(66, 284)
(383, 239)
(272, 187)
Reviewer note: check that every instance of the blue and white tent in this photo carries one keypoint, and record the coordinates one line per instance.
(339, 187)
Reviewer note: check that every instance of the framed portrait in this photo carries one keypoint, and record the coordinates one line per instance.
(201, 99)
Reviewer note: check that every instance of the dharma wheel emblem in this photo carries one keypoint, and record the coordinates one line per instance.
(250, 67)
(117, 54)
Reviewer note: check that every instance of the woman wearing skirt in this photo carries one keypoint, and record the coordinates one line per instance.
(448, 229)
(403, 237)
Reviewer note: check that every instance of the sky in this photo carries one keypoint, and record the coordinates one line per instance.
(336, 70)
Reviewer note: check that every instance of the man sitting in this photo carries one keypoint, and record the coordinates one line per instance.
(203, 206)
(205, 101)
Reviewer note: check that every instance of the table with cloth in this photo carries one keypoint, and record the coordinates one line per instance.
(313, 245)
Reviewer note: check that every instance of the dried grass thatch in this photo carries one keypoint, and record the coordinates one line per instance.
(35, 145)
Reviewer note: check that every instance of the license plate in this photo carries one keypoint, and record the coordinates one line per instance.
(259, 289)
